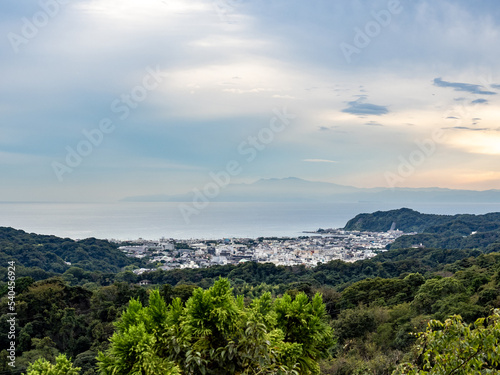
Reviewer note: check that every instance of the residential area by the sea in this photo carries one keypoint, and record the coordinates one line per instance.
(309, 250)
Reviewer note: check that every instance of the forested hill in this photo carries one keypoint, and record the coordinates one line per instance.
(408, 220)
(52, 254)
(463, 231)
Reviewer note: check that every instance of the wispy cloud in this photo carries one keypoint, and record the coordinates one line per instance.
(373, 123)
(327, 128)
(360, 107)
(319, 161)
(466, 128)
(479, 101)
(467, 87)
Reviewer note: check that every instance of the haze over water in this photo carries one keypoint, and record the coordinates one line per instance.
(155, 220)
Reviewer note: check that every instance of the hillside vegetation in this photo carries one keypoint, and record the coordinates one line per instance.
(372, 320)
(463, 231)
(48, 255)
(408, 220)
(405, 311)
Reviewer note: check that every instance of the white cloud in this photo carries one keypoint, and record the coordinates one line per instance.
(227, 74)
(480, 142)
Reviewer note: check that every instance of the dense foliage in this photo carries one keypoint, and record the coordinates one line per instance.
(373, 319)
(40, 256)
(454, 347)
(215, 333)
(408, 220)
(404, 219)
(376, 313)
(486, 241)
(434, 231)
(62, 366)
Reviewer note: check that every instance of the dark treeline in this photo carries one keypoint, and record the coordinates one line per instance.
(408, 220)
(41, 256)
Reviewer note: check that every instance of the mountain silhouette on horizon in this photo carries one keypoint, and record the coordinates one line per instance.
(293, 189)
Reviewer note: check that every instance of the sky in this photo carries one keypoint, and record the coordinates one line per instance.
(104, 99)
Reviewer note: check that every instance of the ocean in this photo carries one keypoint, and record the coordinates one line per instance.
(129, 221)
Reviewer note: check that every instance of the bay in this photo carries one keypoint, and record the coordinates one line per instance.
(129, 221)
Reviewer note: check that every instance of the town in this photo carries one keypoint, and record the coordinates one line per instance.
(318, 247)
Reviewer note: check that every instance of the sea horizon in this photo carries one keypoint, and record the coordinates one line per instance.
(129, 220)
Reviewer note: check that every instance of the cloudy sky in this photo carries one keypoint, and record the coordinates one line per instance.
(103, 99)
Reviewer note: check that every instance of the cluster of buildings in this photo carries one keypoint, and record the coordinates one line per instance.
(318, 247)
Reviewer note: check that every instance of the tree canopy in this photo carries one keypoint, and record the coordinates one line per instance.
(457, 348)
(215, 333)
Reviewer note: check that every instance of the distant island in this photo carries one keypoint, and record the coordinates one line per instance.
(294, 189)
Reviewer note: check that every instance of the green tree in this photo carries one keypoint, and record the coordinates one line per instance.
(456, 348)
(42, 349)
(215, 333)
(134, 348)
(352, 323)
(304, 322)
(63, 366)
(427, 300)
